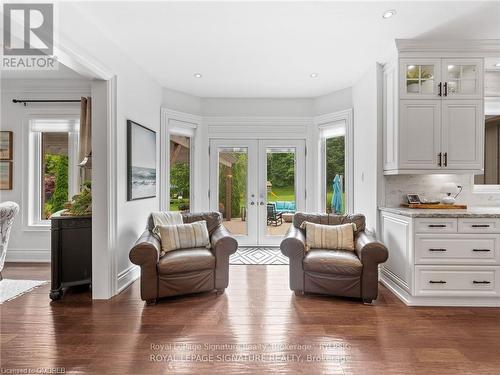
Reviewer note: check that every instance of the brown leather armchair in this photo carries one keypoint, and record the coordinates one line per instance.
(335, 272)
(184, 271)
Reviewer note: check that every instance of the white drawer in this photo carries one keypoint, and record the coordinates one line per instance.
(457, 281)
(432, 225)
(479, 225)
(457, 249)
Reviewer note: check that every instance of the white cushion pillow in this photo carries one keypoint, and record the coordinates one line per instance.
(184, 236)
(331, 237)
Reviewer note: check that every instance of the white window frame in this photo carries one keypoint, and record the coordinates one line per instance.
(33, 200)
(328, 123)
(183, 124)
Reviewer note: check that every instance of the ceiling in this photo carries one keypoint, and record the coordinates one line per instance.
(270, 49)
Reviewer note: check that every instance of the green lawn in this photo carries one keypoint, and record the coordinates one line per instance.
(282, 194)
(174, 203)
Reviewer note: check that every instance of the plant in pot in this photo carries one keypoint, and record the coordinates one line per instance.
(80, 204)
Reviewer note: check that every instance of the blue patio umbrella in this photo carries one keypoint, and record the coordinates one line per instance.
(337, 194)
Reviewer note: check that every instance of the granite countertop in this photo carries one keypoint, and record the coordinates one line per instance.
(487, 212)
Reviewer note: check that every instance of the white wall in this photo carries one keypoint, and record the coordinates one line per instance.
(182, 102)
(334, 102)
(257, 107)
(138, 98)
(367, 144)
(29, 244)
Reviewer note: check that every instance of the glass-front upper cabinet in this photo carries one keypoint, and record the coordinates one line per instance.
(420, 79)
(462, 78)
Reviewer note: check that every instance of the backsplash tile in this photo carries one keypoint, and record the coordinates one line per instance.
(428, 186)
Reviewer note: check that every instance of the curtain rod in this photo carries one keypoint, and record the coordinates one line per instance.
(25, 101)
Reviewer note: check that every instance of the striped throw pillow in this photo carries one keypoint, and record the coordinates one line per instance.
(331, 237)
(184, 236)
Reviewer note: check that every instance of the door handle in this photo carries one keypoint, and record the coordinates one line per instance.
(262, 203)
(480, 225)
(437, 249)
(440, 86)
(481, 282)
(252, 203)
(446, 89)
(445, 159)
(440, 158)
(437, 225)
(437, 282)
(481, 250)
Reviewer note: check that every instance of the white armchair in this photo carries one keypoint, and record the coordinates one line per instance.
(8, 211)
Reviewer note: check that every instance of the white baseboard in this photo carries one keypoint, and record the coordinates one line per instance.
(127, 277)
(28, 255)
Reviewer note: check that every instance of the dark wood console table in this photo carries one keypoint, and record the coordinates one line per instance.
(71, 252)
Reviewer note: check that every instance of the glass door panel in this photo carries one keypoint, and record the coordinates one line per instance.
(233, 189)
(280, 185)
(419, 78)
(462, 78)
(233, 183)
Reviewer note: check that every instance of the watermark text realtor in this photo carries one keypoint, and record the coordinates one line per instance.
(28, 37)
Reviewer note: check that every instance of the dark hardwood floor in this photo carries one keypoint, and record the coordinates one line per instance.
(258, 325)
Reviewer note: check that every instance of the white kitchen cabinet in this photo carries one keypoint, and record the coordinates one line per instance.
(419, 78)
(462, 78)
(462, 134)
(433, 112)
(445, 261)
(420, 133)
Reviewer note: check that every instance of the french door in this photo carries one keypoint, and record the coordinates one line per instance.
(257, 185)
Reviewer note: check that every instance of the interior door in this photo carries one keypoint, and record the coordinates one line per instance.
(233, 187)
(281, 187)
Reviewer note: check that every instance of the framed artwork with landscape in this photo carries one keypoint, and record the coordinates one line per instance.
(141, 162)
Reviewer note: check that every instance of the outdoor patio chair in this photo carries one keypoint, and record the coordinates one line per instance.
(273, 216)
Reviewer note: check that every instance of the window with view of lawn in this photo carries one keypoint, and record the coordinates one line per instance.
(180, 172)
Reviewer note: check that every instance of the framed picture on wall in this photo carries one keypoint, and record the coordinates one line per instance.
(141, 162)
(6, 145)
(5, 175)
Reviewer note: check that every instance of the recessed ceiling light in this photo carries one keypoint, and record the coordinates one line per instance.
(314, 75)
(389, 13)
(450, 67)
(497, 65)
(197, 75)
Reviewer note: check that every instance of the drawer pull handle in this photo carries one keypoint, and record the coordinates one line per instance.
(482, 250)
(437, 282)
(437, 249)
(481, 282)
(480, 225)
(437, 225)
